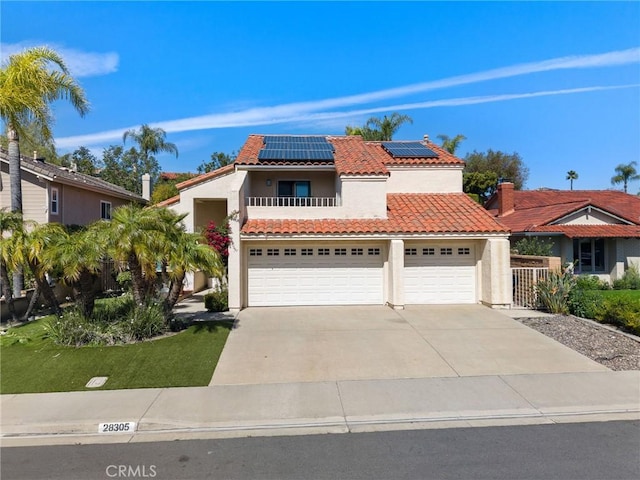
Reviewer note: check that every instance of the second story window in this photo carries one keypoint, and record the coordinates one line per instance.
(54, 201)
(294, 188)
(105, 210)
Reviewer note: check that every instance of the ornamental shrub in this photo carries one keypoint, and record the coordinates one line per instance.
(553, 292)
(219, 238)
(630, 280)
(217, 300)
(591, 282)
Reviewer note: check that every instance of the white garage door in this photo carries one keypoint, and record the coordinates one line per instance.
(282, 275)
(439, 274)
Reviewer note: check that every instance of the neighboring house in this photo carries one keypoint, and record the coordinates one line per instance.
(335, 220)
(597, 230)
(51, 193)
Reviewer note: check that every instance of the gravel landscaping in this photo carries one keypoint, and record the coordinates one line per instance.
(604, 345)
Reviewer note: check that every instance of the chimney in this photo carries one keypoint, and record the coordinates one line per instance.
(506, 200)
(146, 186)
(426, 137)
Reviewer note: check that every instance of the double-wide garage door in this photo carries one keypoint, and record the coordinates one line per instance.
(439, 274)
(337, 274)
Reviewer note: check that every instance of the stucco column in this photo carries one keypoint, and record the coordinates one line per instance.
(396, 274)
(235, 254)
(496, 273)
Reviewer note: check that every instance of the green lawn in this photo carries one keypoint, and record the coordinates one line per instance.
(629, 295)
(31, 363)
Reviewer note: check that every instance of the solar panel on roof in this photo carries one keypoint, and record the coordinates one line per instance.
(408, 150)
(294, 154)
(291, 147)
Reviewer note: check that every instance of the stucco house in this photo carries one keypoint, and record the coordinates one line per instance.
(335, 220)
(51, 193)
(597, 230)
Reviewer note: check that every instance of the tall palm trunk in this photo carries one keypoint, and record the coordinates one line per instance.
(173, 296)
(84, 292)
(6, 291)
(32, 303)
(138, 283)
(44, 287)
(15, 184)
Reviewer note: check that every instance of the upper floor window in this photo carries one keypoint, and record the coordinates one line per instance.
(105, 210)
(294, 188)
(54, 201)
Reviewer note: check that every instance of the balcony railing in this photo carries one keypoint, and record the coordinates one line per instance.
(292, 202)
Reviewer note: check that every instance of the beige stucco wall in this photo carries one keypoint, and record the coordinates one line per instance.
(496, 283)
(322, 183)
(424, 180)
(363, 197)
(34, 195)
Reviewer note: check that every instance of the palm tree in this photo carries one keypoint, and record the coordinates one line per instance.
(571, 176)
(187, 252)
(9, 221)
(29, 246)
(388, 126)
(451, 144)
(150, 141)
(625, 174)
(379, 129)
(80, 256)
(27, 88)
(136, 239)
(147, 238)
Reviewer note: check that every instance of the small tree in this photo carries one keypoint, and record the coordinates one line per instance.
(533, 246)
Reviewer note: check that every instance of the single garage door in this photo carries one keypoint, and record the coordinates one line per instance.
(439, 274)
(282, 275)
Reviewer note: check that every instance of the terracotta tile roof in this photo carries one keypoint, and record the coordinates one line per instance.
(583, 231)
(168, 201)
(206, 176)
(443, 158)
(407, 214)
(353, 156)
(538, 208)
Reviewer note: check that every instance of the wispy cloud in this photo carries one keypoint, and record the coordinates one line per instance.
(320, 110)
(80, 64)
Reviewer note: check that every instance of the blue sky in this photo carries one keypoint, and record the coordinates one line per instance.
(559, 83)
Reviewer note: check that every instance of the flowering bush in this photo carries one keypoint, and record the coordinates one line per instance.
(218, 237)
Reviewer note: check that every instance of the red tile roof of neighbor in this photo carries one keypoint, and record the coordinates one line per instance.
(406, 213)
(535, 210)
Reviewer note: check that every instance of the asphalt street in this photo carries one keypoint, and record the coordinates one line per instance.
(604, 450)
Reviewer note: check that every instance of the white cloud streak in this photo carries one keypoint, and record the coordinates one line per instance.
(308, 111)
(80, 64)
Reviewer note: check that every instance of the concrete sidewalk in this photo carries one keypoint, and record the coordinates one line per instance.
(319, 407)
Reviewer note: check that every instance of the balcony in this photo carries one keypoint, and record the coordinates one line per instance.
(294, 207)
(292, 202)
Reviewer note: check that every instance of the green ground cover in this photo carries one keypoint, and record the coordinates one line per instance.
(31, 363)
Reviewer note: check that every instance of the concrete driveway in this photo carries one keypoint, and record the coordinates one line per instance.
(319, 344)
